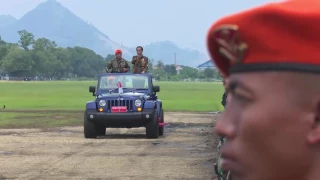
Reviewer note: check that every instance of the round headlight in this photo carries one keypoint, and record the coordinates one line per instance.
(137, 102)
(102, 102)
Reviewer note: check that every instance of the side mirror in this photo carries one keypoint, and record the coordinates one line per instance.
(156, 89)
(92, 89)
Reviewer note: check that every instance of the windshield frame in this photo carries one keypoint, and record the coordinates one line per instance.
(106, 90)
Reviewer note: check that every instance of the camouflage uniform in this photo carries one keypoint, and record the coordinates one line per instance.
(224, 99)
(117, 66)
(140, 64)
(221, 173)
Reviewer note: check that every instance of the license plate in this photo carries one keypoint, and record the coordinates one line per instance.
(119, 109)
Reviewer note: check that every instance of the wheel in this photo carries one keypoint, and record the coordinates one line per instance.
(101, 130)
(152, 127)
(91, 130)
(161, 128)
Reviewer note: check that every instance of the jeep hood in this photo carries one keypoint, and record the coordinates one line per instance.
(128, 94)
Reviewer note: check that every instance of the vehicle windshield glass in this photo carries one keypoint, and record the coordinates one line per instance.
(127, 81)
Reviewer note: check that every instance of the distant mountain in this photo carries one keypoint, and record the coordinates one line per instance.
(6, 21)
(168, 52)
(53, 21)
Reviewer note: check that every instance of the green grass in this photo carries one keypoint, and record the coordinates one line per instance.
(73, 95)
(51, 102)
(39, 119)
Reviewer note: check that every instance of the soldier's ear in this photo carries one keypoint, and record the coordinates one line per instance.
(314, 134)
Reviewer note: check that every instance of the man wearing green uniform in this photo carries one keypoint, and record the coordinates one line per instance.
(118, 64)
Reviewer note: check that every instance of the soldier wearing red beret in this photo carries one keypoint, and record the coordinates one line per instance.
(271, 57)
(118, 64)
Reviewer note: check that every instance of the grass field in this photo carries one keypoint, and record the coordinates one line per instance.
(73, 95)
(62, 96)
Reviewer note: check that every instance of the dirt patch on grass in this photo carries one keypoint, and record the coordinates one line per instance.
(52, 117)
(40, 111)
(186, 151)
(39, 119)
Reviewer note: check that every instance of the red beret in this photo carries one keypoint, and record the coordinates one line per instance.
(118, 51)
(273, 37)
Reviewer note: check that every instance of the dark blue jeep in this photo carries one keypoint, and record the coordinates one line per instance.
(124, 100)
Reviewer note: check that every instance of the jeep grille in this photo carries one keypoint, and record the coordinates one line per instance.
(128, 103)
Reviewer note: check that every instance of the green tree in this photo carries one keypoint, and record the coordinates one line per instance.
(158, 73)
(188, 72)
(17, 60)
(64, 58)
(150, 65)
(216, 74)
(170, 69)
(2, 42)
(86, 63)
(201, 75)
(46, 59)
(26, 39)
(46, 62)
(43, 44)
(160, 64)
(208, 72)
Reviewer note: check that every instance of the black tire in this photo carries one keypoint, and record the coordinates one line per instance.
(101, 130)
(161, 128)
(152, 127)
(91, 130)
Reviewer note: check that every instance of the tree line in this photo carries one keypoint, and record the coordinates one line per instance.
(44, 58)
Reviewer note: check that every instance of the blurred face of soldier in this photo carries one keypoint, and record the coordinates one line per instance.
(271, 123)
(139, 51)
(119, 55)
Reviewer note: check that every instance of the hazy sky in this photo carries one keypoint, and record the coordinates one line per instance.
(140, 22)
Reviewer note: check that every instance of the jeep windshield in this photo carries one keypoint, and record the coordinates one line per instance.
(128, 82)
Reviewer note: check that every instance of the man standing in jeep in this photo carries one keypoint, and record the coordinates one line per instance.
(118, 64)
(140, 62)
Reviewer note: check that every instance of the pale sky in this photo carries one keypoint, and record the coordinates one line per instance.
(140, 22)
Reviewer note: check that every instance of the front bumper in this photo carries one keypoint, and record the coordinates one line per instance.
(121, 120)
